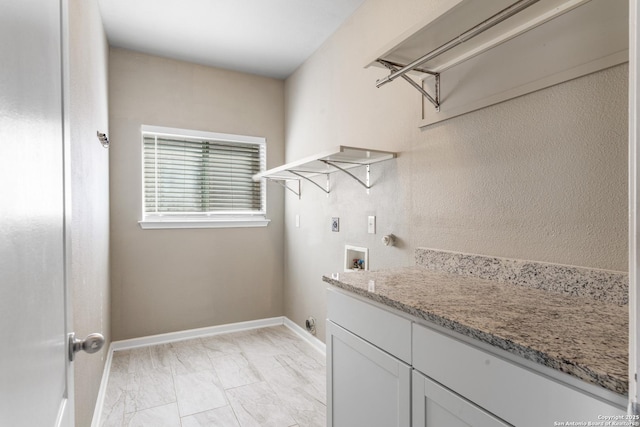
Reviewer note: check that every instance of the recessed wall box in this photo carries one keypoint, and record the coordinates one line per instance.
(356, 258)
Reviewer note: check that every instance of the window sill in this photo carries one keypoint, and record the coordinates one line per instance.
(152, 224)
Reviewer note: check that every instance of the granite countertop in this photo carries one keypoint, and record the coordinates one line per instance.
(584, 337)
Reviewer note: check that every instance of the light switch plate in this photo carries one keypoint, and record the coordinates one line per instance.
(297, 220)
(335, 224)
(371, 225)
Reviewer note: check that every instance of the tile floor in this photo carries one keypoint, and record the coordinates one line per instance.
(262, 377)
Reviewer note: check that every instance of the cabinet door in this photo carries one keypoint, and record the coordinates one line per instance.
(366, 387)
(437, 406)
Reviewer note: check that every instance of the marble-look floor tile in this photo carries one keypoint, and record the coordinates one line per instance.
(199, 391)
(186, 345)
(219, 345)
(313, 417)
(285, 377)
(113, 413)
(305, 402)
(148, 389)
(114, 400)
(284, 339)
(252, 342)
(313, 353)
(312, 372)
(234, 370)
(263, 363)
(300, 361)
(188, 357)
(116, 387)
(161, 355)
(282, 334)
(304, 405)
(120, 361)
(257, 405)
(140, 360)
(159, 416)
(220, 417)
(271, 376)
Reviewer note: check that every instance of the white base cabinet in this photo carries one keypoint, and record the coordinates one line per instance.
(515, 394)
(437, 406)
(368, 387)
(383, 370)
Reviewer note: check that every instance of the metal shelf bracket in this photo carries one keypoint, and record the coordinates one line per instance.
(364, 184)
(283, 183)
(326, 190)
(435, 100)
(398, 70)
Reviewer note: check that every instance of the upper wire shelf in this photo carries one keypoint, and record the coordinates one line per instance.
(467, 29)
(339, 159)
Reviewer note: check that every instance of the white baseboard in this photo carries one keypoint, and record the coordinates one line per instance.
(194, 333)
(102, 391)
(302, 333)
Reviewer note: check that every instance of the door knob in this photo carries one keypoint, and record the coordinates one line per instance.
(91, 344)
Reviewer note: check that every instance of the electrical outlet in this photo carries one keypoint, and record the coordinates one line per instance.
(335, 224)
(371, 225)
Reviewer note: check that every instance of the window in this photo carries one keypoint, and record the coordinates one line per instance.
(193, 179)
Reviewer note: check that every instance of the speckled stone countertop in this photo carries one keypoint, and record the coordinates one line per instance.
(579, 335)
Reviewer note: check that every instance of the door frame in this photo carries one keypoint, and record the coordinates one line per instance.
(67, 416)
(634, 219)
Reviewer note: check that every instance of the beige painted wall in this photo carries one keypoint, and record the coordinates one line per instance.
(89, 279)
(172, 280)
(540, 177)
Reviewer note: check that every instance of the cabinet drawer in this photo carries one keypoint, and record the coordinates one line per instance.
(381, 328)
(518, 395)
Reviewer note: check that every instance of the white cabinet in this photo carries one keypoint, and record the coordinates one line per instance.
(515, 394)
(380, 363)
(366, 386)
(437, 406)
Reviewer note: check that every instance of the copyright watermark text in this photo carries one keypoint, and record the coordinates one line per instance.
(603, 421)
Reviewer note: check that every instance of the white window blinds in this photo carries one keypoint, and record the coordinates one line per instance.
(199, 176)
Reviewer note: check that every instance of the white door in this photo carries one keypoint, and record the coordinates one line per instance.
(366, 387)
(35, 383)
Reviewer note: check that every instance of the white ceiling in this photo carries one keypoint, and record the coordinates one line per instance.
(265, 37)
